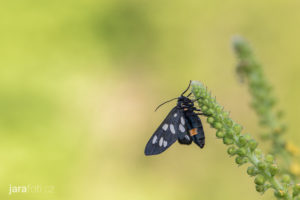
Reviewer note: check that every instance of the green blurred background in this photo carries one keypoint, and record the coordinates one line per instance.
(79, 81)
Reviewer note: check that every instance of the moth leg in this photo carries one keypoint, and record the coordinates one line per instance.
(194, 100)
(207, 115)
(200, 114)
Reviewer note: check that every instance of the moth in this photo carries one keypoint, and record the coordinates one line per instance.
(182, 124)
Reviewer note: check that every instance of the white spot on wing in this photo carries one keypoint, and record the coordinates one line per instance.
(165, 127)
(182, 120)
(154, 140)
(175, 115)
(181, 128)
(187, 137)
(165, 143)
(172, 128)
(161, 141)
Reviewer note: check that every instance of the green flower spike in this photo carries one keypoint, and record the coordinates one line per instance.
(244, 147)
(263, 102)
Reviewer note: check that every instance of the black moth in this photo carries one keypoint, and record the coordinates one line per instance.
(182, 124)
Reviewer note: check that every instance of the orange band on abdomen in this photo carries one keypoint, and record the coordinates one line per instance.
(193, 131)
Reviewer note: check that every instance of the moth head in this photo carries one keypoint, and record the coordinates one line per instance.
(183, 100)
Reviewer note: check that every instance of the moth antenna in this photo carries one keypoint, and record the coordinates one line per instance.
(187, 88)
(164, 103)
(196, 99)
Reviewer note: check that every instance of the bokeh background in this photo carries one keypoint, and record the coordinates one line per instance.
(80, 79)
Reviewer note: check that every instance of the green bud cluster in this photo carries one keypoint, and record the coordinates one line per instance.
(242, 146)
(248, 68)
(263, 102)
(296, 190)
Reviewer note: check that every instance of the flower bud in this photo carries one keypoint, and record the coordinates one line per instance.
(200, 101)
(205, 102)
(273, 169)
(220, 134)
(227, 141)
(286, 178)
(262, 165)
(204, 108)
(242, 141)
(228, 122)
(229, 133)
(279, 193)
(237, 128)
(217, 125)
(252, 171)
(241, 160)
(210, 111)
(260, 188)
(201, 93)
(231, 150)
(252, 144)
(259, 180)
(210, 120)
(269, 158)
(241, 151)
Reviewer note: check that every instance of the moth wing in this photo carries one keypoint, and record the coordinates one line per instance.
(166, 134)
(183, 135)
